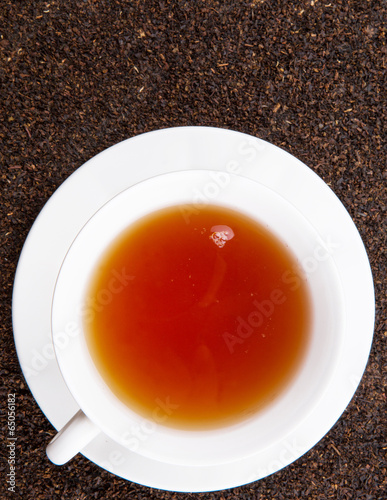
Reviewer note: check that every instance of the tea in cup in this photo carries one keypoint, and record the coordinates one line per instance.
(211, 325)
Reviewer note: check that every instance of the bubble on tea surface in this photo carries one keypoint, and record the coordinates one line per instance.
(221, 234)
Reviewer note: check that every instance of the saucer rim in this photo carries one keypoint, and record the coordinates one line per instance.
(203, 478)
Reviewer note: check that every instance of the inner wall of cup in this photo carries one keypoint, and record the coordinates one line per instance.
(276, 420)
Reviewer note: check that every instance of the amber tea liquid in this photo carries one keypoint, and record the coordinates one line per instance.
(197, 321)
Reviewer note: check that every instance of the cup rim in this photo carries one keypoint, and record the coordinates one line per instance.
(178, 177)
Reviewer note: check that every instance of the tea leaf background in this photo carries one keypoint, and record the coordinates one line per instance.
(308, 76)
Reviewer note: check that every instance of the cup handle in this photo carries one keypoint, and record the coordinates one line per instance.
(71, 439)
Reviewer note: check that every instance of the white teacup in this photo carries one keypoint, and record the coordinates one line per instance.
(101, 411)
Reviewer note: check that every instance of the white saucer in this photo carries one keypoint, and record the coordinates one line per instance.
(137, 159)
